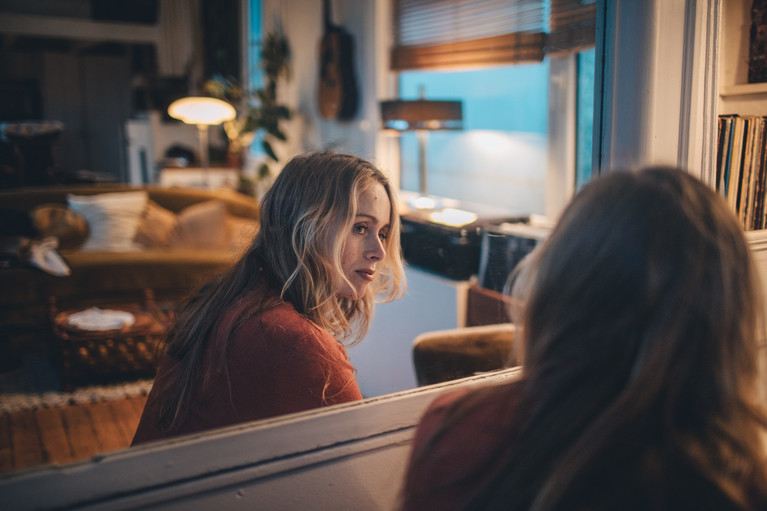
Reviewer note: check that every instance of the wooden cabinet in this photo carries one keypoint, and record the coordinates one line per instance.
(90, 94)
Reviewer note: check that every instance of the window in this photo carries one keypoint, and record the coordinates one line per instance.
(500, 158)
(584, 117)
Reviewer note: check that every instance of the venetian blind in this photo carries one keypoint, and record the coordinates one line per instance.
(459, 33)
(443, 34)
(572, 26)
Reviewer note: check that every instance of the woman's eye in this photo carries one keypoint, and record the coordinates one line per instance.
(383, 235)
(360, 229)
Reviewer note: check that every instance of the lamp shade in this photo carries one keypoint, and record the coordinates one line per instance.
(202, 110)
(422, 114)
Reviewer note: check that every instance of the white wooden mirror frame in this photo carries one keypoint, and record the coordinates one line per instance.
(657, 93)
(349, 456)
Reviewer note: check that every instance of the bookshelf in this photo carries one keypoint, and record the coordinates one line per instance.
(736, 95)
(741, 161)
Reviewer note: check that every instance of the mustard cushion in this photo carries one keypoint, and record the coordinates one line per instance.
(61, 222)
(156, 227)
(202, 225)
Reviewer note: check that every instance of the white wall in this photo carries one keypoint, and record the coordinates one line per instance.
(384, 358)
(302, 23)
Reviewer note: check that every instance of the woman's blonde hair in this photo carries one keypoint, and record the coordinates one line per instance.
(304, 218)
(295, 258)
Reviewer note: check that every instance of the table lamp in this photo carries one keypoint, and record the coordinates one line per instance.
(202, 112)
(421, 115)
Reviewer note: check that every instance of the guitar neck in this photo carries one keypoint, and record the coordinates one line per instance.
(326, 14)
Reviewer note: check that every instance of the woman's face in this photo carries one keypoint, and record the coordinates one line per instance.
(364, 245)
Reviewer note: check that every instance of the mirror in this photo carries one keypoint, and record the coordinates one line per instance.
(383, 359)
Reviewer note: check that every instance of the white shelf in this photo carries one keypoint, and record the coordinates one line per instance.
(745, 89)
(78, 29)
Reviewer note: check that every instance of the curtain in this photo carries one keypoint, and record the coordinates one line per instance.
(180, 24)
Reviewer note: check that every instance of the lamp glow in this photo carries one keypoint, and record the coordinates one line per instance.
(202, 112)
(424, 202)
(453, 217)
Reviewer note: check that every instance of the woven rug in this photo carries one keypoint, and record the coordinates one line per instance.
(35, 384)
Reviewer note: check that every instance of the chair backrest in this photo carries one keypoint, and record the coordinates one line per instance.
(444, 355)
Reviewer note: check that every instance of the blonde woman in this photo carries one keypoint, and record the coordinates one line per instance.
(265, 338)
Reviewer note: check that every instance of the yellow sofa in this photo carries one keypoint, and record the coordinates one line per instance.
(102, 277)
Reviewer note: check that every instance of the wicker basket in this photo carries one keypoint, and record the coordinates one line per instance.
(110, 355)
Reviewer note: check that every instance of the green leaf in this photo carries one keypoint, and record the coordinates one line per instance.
(279, 135)
(282, 111)
(268, 150)
(263, 171)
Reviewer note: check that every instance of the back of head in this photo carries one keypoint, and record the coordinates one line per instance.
(647, 276)
(640, 326)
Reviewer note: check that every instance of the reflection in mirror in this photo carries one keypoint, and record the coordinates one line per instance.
(499, 160)
(263, 338)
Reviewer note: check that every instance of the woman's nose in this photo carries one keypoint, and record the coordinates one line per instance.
(376, 250)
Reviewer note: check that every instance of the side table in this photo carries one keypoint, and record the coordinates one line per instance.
(104, 355)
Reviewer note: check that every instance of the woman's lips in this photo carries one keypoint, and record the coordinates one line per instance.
(366, 274)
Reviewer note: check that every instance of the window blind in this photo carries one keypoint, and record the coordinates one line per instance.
(458, 33)
(572, 26)
(443, 34)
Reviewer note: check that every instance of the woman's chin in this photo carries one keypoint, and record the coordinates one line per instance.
(351, 293)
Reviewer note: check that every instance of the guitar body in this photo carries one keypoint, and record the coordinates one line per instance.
(337, 91)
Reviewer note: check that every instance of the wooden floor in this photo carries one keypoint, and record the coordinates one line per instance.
(63, 435)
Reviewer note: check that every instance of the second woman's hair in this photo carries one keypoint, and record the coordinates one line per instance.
(640, 329)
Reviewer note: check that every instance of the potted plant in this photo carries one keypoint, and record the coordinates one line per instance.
(259, 114)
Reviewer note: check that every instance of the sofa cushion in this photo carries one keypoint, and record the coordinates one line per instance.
(202, 225)
(62, 223)
(156, 227)
(241, 233)
(113, 218)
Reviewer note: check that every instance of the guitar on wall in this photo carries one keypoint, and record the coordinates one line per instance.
(337, 92)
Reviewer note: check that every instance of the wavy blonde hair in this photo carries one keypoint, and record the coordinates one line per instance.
(302, 237)
(295, 258)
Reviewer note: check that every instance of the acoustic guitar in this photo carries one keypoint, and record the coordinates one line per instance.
(337, 92)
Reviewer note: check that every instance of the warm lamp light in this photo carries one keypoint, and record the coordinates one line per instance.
(202, 112)
(199, 110)
(421, 115)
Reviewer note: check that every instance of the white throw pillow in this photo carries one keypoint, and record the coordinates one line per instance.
(113, 218)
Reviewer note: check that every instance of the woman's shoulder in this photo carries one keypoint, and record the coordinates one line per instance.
(491, 409)
(461, 433)
(284, 323)
(285, 317)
